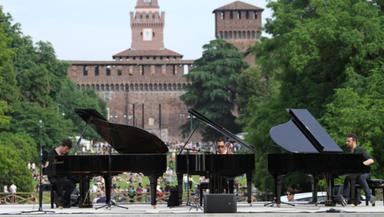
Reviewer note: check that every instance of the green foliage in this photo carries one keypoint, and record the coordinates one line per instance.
(13, 167)
(359, 110)
(213, 88)
(23, 143)
(326, 56)
(35, 93)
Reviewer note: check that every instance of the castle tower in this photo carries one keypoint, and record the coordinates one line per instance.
(239, 23)
(147, 24)
(142, 85)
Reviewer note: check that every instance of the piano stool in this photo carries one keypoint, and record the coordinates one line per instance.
(48, 187)
(373, 185)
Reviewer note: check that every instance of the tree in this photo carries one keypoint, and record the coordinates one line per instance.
(315, 48)
(33, 86)
(213, 88)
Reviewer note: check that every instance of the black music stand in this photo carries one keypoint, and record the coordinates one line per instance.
(40, 209)
(195, 205)
(109, 203)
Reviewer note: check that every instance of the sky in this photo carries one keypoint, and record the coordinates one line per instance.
(96, 30)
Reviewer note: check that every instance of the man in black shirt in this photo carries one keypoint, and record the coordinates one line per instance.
(353, 147)
(63, 185)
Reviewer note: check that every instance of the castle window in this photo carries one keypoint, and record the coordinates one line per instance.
(85, 70)
(253, 34)
(247, 15)
(119, 72)
(97, 72)
(222, 15)
(108, 70)
(231, 15)
(225, 35)
(174, 69)
(238, 14)
(255, 15)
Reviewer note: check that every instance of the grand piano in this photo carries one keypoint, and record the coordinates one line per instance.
(311, 151)
(138, 151)
(216, 166)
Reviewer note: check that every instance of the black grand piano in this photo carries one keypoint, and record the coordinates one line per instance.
(213, 166)
(139, 151)
(312, 152)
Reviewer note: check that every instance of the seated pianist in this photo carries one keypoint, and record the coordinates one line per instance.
(62, 185)
(353, 147)
(221, 184)
(222, 148)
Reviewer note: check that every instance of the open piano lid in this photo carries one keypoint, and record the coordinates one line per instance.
(303, 134)
(220, 128)
(123, 138)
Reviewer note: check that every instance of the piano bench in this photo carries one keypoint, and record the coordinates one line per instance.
(373, 185)
(49, 187)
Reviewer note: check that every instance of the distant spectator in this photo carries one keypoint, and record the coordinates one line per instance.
(33, 167)
(12, 189)
(291, 194)
(5, 189)
(131, 193)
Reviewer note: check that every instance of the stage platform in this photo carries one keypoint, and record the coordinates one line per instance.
(243, 209)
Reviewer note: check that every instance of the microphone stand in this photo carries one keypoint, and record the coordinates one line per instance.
(40, 209)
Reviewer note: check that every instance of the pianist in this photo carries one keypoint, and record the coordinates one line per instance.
(222, 148)
(63, 185)
(353, 147)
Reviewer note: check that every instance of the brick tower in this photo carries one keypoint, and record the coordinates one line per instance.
(147, 24)
(142, 85)
(239, 23)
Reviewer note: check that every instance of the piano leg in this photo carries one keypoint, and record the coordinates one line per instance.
(107, 182)
(249, 187)
(85, 200)
(230, 185)
(278, 181)
(153, 185)
(353, 189)
(180, 187)
(278, 188)
(314, 182)
(330, 183)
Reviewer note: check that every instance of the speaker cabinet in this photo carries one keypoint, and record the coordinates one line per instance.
(220, 203)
